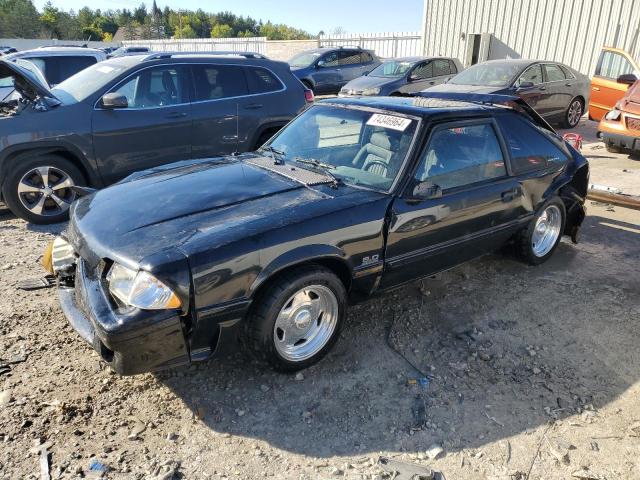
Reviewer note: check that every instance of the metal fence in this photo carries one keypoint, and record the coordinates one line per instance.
(249, 44)
(390, 44)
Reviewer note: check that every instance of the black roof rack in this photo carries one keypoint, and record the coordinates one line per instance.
(220, 53)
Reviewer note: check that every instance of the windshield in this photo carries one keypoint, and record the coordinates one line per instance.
(303, 59)
(391, 68)
(356, 146)
(87, 81)
(489, 75)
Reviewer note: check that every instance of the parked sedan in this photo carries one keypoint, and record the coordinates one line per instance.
(557, 92)
(403, 76)
(131, 113)
(354, 197)
(326, 70)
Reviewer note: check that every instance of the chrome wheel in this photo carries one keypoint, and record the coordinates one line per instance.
(574, 113)
(46, 191)
(546, 231)
(306, 323)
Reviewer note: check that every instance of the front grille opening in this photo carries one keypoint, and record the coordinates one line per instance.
(105, 353)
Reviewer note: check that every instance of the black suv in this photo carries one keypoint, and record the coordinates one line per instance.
(132, 113)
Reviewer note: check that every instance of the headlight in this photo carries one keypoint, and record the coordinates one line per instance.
(140, 289)
(613, 115)
(371, 91)
(58, 256)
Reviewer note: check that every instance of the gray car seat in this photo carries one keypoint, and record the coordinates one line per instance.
(375, 156)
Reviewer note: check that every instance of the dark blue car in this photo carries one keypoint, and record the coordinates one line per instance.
(403, 76)
(326, 70)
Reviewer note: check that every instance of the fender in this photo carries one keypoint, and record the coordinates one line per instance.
(297, 256)
(50, 146)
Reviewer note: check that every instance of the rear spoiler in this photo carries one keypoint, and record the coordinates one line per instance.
(515, 103)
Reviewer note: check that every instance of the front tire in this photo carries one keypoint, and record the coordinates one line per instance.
(38, 189)
(574, 113)
(538, 241)
(297, 319)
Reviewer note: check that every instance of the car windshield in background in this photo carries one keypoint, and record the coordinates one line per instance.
(489, 75)
(87, 81)
(391, 68)
(356, 146)
(303, 59)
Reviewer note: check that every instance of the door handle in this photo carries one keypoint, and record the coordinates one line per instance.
(177, 115)
(432, 83)
(543, 88)
(253, 106)
(597, 89)
(509, 195)
(568, 84)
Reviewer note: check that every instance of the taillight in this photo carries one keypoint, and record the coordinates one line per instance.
(308, 96)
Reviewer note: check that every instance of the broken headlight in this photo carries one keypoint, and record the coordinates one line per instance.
(613, 115)
(59, 257)
(140, 289)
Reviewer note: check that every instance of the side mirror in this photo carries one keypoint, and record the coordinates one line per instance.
(524, 85)
(321, 63)
(627, 79)
(413, 78)
(114, 100)
(365, 74)
(426, 190)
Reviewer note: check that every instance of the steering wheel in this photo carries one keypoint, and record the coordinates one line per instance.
(371, 163)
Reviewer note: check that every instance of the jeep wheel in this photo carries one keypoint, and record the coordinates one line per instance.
(38, 190)
(539, 240)
(298, 318)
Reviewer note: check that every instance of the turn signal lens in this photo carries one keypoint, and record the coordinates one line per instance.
(140, 289)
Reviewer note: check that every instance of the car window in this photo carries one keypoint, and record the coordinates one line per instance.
(532, 74)
(366, 57)
(441, 67)
(154, 87)
(452, 66)
(554, 73)
(214, 82)
(422, 71)
(330, 59)
(529, 148)
(348, 57)
(612, 65)
(262, 81)
(459, 156)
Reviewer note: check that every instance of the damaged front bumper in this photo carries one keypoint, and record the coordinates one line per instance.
(131, 342)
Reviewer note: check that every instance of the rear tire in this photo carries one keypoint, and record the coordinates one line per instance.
(296, 320)
(574, 113)
(612, 149)
(537, 242)
(38, 189)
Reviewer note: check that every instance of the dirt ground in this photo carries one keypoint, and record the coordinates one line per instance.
(532, 372)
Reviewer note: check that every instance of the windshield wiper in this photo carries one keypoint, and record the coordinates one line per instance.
(274, 151)
(326, 167)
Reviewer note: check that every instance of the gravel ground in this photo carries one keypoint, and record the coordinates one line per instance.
(533, 372)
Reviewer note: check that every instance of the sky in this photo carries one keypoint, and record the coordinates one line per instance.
(355, 16)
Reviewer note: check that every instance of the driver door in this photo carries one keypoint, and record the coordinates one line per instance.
(476, 212)
(535, 95)
(154, 129)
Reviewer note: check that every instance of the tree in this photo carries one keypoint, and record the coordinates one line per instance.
(221, 30)
(19, 19)
(49, 18)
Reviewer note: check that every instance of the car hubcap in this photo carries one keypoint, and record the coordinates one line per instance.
(546, 231)
(575, 112)
(306, 323)
(46, 191)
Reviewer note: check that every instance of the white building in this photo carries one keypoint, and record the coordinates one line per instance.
(567, 31)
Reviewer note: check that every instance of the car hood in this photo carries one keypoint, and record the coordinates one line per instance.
(30, 84)
(170, 207)
(452, 87)
(364, 82)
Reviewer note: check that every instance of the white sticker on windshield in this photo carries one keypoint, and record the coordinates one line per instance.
(389, 121)
(105, 69)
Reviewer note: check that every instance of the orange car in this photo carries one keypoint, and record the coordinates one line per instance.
(615, 71)
(620, 128)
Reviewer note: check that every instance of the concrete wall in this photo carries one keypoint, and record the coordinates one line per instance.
(285, 49)
(567, 31)
(28, 44)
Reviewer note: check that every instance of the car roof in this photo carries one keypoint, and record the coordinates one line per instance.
(416, 106)
(63, 51)
(153, 58)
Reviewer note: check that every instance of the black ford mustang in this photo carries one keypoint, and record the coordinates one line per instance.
(267, 249)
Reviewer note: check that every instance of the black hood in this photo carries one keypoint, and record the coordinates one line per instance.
(364, 82)
(29, 84)
(172, 207)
